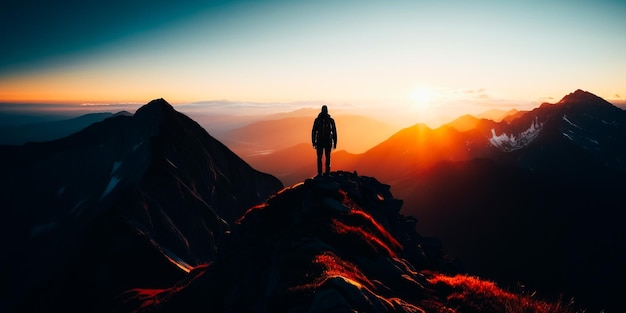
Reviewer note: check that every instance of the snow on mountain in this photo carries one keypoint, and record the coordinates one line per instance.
(512, 142)
(576, 134)
(594, 125)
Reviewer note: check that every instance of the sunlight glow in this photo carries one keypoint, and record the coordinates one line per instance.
(421, 98)
(409, 62)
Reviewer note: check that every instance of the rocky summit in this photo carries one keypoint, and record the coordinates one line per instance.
(330, 244)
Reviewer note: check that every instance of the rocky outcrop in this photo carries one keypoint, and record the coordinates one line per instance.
(329, 244)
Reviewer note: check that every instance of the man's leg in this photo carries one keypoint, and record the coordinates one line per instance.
(319, 161)
(327, 150)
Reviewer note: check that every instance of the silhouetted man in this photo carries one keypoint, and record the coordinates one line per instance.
(324, 137)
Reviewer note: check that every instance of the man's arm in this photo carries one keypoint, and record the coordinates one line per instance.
(334, 130)
(313, 133)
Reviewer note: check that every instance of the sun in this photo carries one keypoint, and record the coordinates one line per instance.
(421, 98)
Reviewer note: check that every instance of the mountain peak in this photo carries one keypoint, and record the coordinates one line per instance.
(165, 184)
(464, 123)
(582, 97)
(154, 109)
(159, 102)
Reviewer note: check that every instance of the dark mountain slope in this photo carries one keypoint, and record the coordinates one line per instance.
(553, 234)
(100, 200)
(549, 194)
(330, 244)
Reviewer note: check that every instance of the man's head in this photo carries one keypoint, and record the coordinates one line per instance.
(324, 109)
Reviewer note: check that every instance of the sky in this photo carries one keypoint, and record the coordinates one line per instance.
(417, 61)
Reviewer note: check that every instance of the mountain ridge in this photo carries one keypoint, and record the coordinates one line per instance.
(580, 96)
(606, 126)
(45, 131)
(551, 177)
(167, 186)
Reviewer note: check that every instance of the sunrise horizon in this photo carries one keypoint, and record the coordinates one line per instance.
(434, 61)
(423, 106)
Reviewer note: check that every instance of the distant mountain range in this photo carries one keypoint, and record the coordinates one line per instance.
(581, 125)
(20, 133)
(545, 187)
(543, 182)
(467, 138)
(274, 135)
(151, 213)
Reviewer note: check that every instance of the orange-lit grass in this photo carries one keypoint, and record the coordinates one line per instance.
(154, 297)
(472, 294)
(375, 243)
(328, 265)
(379, 229)
(334, 266)
(363, 226)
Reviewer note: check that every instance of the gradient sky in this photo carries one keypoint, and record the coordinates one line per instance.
(424, 60)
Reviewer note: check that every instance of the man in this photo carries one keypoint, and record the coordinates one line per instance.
(324, 137)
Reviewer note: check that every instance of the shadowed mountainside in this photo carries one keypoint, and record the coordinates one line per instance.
(552, 189)
(92, 214)
(548, 183)
(331, 244)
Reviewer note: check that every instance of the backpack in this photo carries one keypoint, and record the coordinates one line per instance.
(324, 130)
